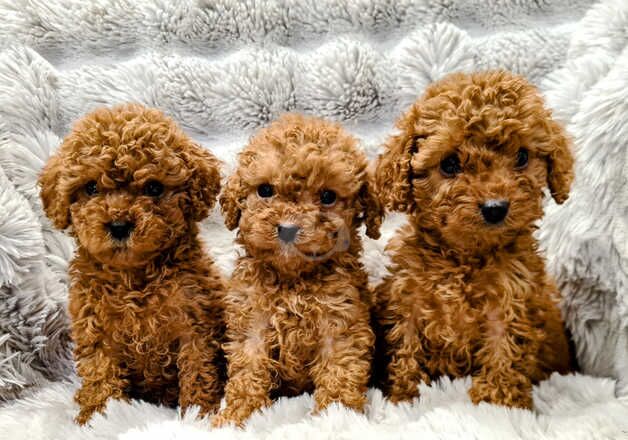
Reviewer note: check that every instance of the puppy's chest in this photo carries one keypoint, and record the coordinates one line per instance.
(296, 324)
(453, 308)
(140, 323)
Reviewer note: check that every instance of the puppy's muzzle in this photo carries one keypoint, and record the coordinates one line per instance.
(120, 230)
(287, 233)
(494, 211)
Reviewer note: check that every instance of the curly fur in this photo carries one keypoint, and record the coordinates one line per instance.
(298, 314)
(146, 312)
(464, 296)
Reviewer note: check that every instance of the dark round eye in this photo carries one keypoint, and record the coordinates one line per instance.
(265, 190)
(522, 158)
(450, 166)
(328, 197)
(153, 188)
(91, 188)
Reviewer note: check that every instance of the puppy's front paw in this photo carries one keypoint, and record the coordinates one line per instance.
(226, 418)
(239, 410)
(85, 414)
(515, 394)
(88, 405)
(93, 397)
(352, 400)
(402, 389)
(206, 407)
(398, 396)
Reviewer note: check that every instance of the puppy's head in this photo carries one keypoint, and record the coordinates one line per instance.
(299, 193)
(472, 159)
(130, 183)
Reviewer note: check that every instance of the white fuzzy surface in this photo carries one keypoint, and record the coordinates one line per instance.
(586, 239)
(34, 329)
(223, 68)
(574, 408)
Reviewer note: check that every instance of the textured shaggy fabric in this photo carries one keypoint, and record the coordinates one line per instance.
(586, 240)
(34, 332)
(223, 68)
(574, 408)
(146, 317)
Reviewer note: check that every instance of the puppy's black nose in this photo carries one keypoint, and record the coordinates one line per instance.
(120, 230)
(287, 233)
(494, 211)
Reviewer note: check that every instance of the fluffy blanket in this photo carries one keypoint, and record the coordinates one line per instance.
(574, 408)
(586, 239)
(222, 68)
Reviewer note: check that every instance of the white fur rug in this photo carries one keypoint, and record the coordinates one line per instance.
(223, 68)
(586, 239)
(573, 408)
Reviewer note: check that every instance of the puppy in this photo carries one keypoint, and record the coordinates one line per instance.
(298, 303)
(468, 292)
(145, 301)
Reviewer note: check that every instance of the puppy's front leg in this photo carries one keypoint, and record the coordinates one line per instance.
(507, 357)
(250, 382)
(102, 379)
(199, 378)
(405, 372)
(403, 347)
(342, 370)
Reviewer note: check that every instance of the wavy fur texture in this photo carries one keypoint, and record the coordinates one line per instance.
(146, 308)
(298, 311)
(468, 296)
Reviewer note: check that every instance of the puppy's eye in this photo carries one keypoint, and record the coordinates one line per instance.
(522, 159)
(328, 197)
(153, 188)
(91, 188)
(265, 190)
(450, 166)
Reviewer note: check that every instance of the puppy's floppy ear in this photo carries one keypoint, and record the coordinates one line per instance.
(559, 163)
(230, 201)
(372, 210)
(55, 201)
(393, 178)
(204, 183)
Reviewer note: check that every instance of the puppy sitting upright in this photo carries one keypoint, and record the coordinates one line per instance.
(468, 292)
(145, 301)
(298, 303)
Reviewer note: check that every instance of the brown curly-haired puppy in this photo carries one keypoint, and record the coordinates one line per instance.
(468, 292)
(145, 301)
(298, 304)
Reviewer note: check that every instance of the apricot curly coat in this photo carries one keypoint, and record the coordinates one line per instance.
(464, 296)
(298, 313)
(146, 311)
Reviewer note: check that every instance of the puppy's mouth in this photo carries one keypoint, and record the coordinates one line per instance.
(119, 243)
(314, 254)
(341, 241)
(309, 255)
